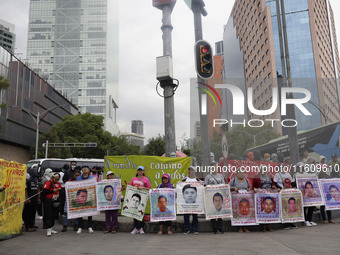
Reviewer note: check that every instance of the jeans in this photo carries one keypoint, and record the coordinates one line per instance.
(309, 213)
(187, 222)
(49, 212)
(323, 215)
(217, 225)
(111, 219)
(138, 224)
(89, 222)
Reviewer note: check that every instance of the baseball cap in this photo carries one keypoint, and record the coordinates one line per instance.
(140, 167)
(334, 155)
(165, 176)
(108, 173)
(192, 168)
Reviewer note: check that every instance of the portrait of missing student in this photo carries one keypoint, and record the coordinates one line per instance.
(217, 201)
(291, 205)
(310, 189)
(109, 194)
(162, 202)
(331, 193)
(190, 197)
(267, 206)
(243, 205)
(135, 202)
(82, 198)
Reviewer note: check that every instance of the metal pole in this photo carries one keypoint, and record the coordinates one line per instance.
(168, 86)
(37, 135)
(46, 151)
(205, 140)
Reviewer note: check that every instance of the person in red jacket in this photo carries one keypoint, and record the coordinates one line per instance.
(51, 196)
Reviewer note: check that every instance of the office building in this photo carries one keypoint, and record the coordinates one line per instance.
(7, 35)
(137, 127)
(74, 46)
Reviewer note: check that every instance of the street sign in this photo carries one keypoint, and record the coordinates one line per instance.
(224, 146)
(188, 2)
(70, 145)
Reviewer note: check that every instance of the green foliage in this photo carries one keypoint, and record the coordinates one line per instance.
(155, 146)
(84, 128)
(4, 84)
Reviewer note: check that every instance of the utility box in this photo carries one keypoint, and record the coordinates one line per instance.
(164, 68)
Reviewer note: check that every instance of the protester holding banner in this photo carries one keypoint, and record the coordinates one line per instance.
(166, 183)
(141, 182)
(215, 178)
(51, 195)
(323, 175)
(240, 183)
(75, 222)
(111, 216)
(264, 181)
(85, 176)
(283, 180)
(190, 178)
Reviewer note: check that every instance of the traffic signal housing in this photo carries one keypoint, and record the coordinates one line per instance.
(204, 59)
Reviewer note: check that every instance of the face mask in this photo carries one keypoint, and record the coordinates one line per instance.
(73, 167)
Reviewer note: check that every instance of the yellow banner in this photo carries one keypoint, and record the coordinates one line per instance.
(125, 168)
(13, 178)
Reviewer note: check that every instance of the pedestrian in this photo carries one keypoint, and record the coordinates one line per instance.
(324, 175)
(46, 177)
(264, 181)
(75, 221)
(191, 178)
(68, 175)
(31, 201)
(111, 216)
(51, 202)
(85, 176)
(334, 166)
(274, 158)
(215, 178)
(166, 183)
(238, 183)
(141, 182)
(266, 157)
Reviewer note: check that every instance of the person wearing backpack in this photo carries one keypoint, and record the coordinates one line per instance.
(51, 196)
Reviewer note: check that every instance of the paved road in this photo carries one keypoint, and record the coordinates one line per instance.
(321, 240)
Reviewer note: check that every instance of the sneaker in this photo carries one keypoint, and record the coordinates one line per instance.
(141, 231)
(135, 231)
(186, 232)
(196, 233)
(49, 232)
(308, 224)
(64, 229)
(220, 232)
(79, 231)
(313, 223)
(286, 228)
(39, 217)
(90, 230)
(54, 232)
(293, 226)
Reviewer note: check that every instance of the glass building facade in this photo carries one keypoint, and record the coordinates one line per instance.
(74, 45)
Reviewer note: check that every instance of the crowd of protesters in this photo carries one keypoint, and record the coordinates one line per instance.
(45, 194)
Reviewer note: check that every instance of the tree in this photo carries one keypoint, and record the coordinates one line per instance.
(242, 138)
(155, 146)
(85, 128)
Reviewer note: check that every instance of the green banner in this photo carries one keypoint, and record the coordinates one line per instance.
(125, 168)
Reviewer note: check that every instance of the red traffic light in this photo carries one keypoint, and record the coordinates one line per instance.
(205, 49)
(204, 59)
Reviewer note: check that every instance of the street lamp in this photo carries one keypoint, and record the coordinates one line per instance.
(323, 111)
(37, 118)
(253, 135)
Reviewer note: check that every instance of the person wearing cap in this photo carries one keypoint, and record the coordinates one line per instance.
(166, 183)
(334, 166)
(46, 177)
(85, 176)
(111, 216)
(266, 157)
(186, 229)
(141, 182)
(215, 178)
(274, 158)
(51, 194)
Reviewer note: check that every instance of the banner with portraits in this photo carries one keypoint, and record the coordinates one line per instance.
(190, 198)
(163, 204)
(217, 201)
(109, 194)
(243, 204)
(310, 189)
(331, 194)
(81, 198)
(267, 206)
(291, 206)
(135, 201)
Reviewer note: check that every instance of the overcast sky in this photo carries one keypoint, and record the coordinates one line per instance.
(140, 43)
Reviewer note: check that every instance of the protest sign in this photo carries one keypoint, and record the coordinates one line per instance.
(190, 198)
(330, 191)
(309, 186)
(291, 206)
(135, 202)
(81, 198)
(267, 206)
(243, 206)
(108, 194)
(163, 204)
(13, 178)
(217, 201)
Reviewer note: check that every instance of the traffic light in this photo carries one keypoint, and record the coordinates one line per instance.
(204, 59)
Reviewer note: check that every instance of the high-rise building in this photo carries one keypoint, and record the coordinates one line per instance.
(259, 39)
(137, 127)
(74, 46)
(7, 35)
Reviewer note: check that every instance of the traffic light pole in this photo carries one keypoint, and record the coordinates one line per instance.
(168, 85)
(205, 140)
